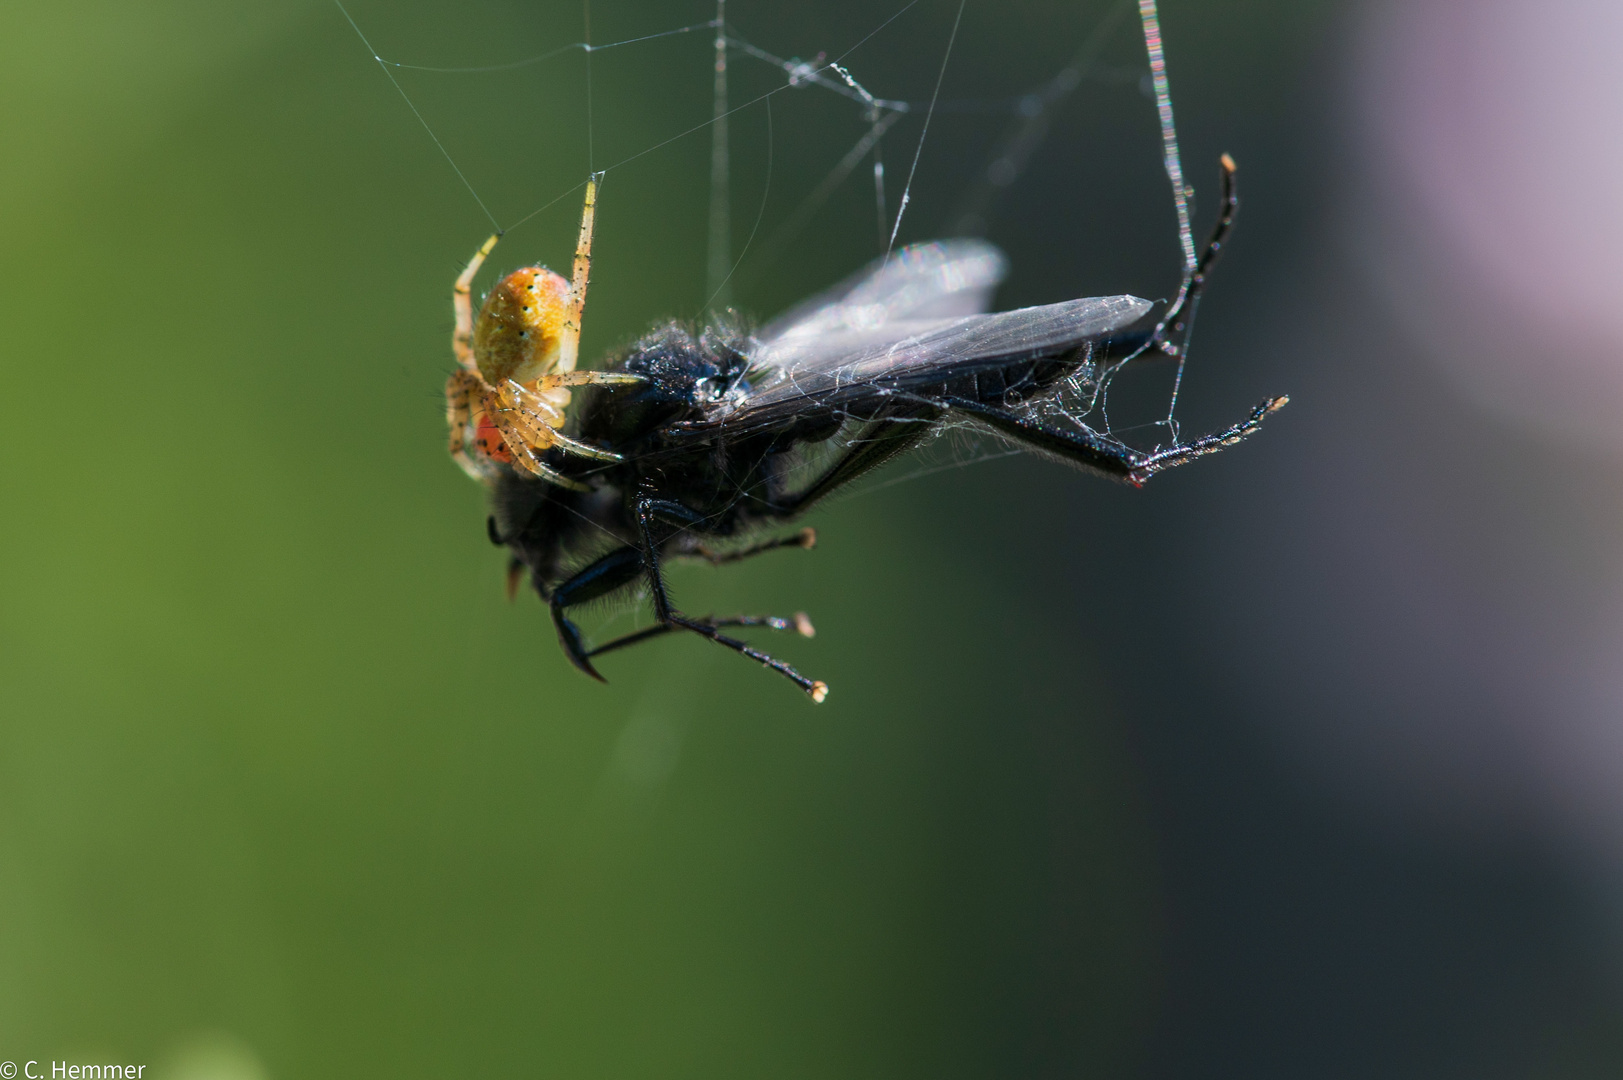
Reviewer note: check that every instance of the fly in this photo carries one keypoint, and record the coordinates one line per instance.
(696, 442)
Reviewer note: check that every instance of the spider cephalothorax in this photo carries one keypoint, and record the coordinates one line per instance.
(516, 363)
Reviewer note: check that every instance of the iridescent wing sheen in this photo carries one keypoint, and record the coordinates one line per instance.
(940, 280)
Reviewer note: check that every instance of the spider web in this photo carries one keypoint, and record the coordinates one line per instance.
(585, 106)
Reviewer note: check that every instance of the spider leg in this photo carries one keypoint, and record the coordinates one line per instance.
(535, 407)
(462, 304)
(524, 454)
(591, 378)
(583, 449)
(534, 436)
(531, 462)
(525, 435)
(462, 390)
(569, 338)
(533, 417)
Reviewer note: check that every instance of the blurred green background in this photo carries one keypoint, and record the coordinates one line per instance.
(287, 789)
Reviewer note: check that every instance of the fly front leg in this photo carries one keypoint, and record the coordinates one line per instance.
(615, 570)
(608, 574)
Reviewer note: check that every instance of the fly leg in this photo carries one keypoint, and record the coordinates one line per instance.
(1105, 455)
(806, 538)
(1093, 452)
(615, 570)
(877, 444)
(1162, 460)
(648, 512)
(1171, 336)
(623, 566)
(800, 624)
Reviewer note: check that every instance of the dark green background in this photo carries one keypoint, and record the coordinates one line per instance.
(284, 780)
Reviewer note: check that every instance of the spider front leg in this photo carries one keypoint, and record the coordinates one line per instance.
(569, 338)
(462, 305)
(464, 389)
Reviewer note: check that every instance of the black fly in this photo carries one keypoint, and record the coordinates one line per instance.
(694, 444)
(712, 437)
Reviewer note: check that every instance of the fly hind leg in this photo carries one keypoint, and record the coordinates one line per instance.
(1102, 454)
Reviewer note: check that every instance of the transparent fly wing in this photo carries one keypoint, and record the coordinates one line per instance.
(940, 280)
(794, 371)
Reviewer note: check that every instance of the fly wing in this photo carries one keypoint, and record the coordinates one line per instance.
(940, 280)
(839, 368)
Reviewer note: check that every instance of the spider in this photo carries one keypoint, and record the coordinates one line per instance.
(516, 363)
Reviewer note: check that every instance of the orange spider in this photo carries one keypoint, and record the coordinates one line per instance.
(505, 403)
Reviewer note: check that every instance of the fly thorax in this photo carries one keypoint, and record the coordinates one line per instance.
(518, 332)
